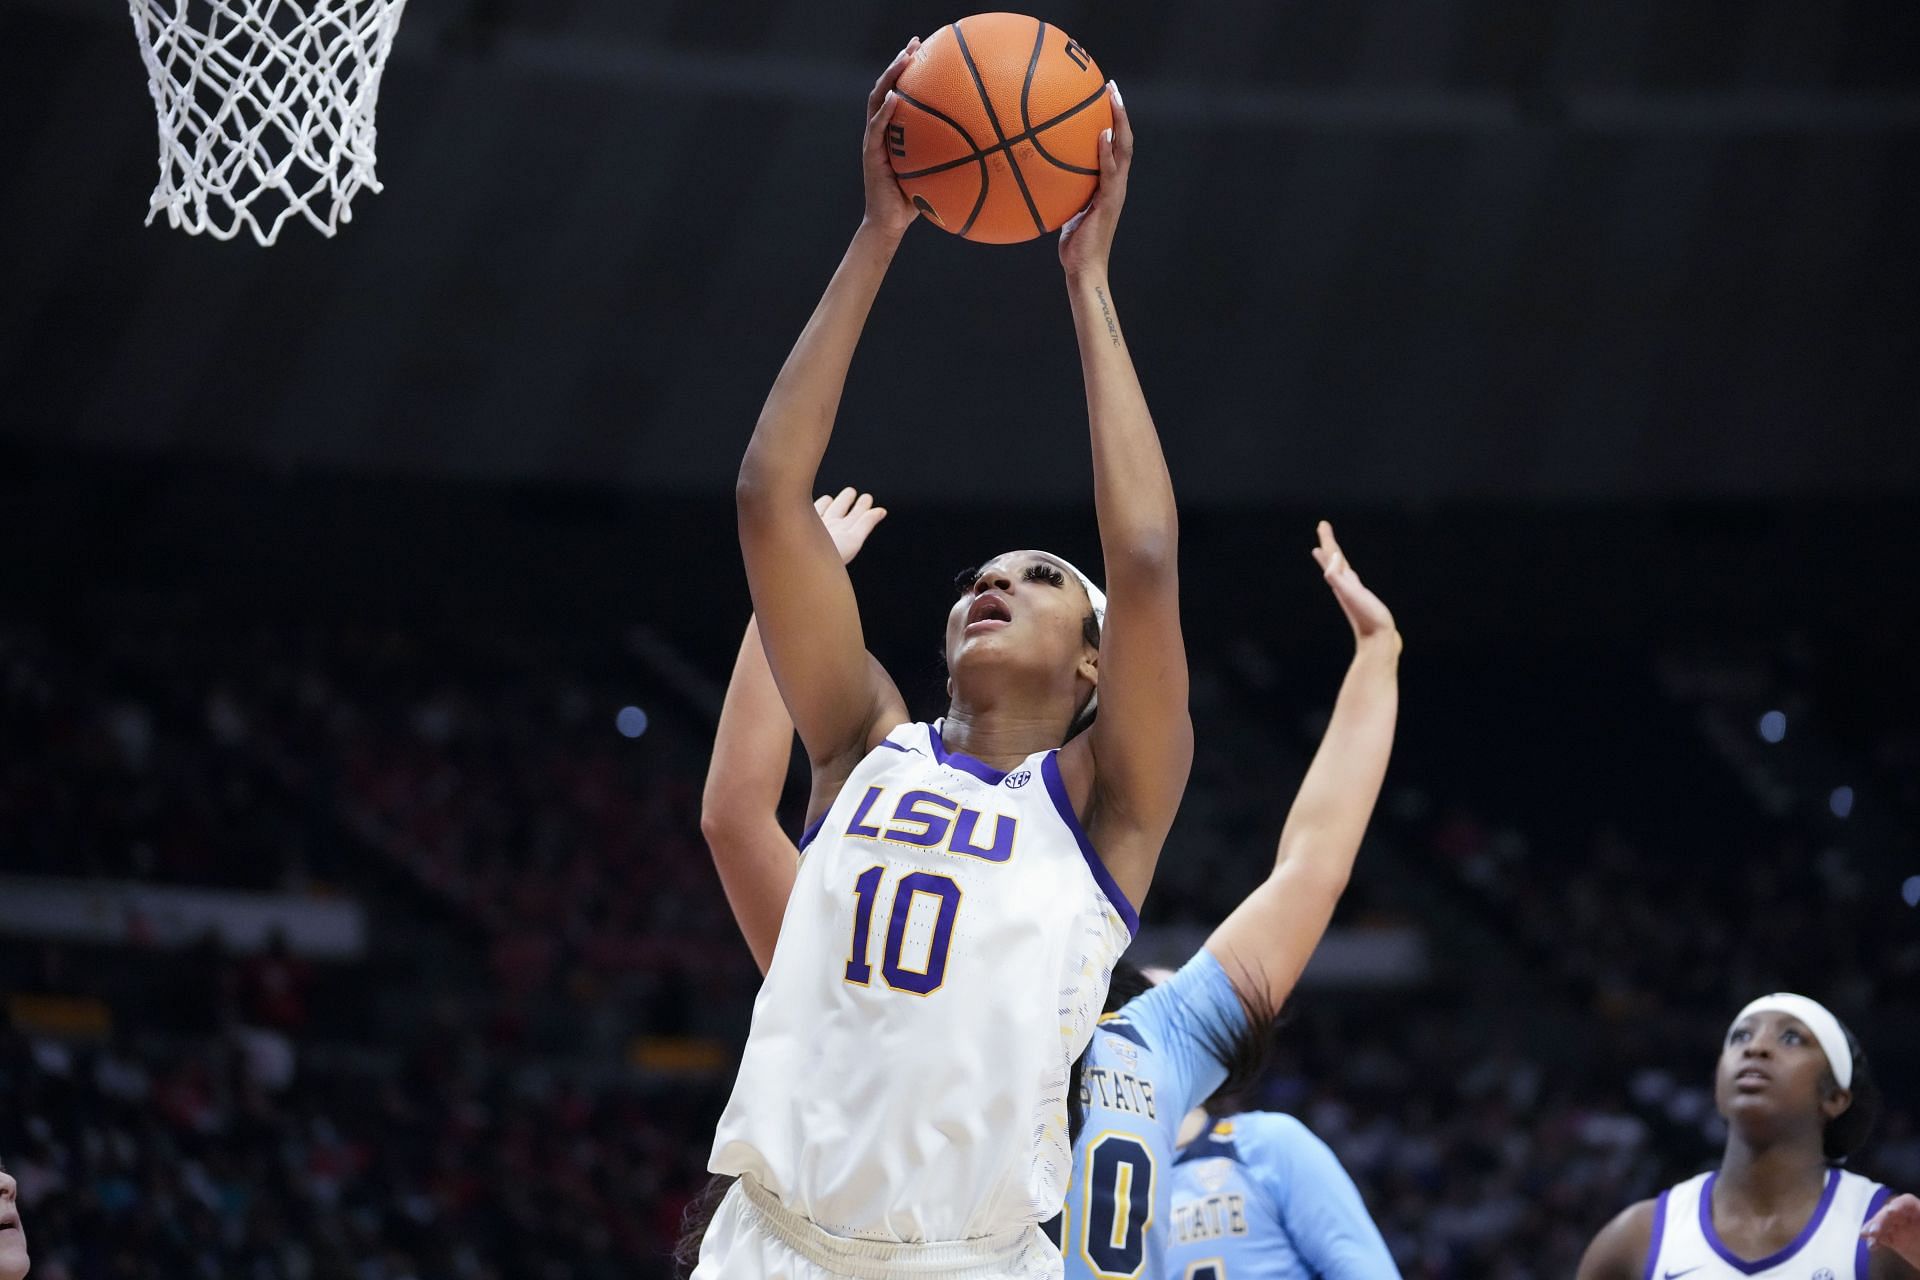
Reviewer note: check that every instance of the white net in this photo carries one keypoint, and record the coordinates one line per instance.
(266, 108)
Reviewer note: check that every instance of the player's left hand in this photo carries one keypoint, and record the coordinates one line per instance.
(849, 516)
(888, 208)
(1372, 621)
(1897, 1227)
(1087, 238)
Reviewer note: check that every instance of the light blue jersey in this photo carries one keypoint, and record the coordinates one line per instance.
(1261, 1198)
(1146, 1067)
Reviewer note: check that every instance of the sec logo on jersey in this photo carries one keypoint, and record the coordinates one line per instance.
(1019, 778)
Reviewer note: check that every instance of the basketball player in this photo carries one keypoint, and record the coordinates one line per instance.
(1170, 1045)
(14, 1262)
(1798, 1099)
(1259, 1197)
(901, 1102)
(1170, 1048)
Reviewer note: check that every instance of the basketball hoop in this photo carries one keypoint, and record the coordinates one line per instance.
(265, 109)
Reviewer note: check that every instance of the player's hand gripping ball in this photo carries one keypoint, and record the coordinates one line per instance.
(996, 134)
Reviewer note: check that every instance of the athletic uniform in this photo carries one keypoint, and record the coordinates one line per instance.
(901, 1102)
(1828, 1248)
(1150, 1063)
(1261, 1198)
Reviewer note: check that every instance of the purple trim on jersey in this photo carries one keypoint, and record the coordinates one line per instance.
(1057, 788)
(1861, 1264)
(889, 742)
(1794, 1246)
(961, 760)
(1659, 1234)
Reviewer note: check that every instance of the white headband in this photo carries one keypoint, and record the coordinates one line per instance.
(1094, 594)
(1814, 1016)
(1096, 597)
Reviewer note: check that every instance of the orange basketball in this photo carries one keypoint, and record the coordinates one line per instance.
(997, 132)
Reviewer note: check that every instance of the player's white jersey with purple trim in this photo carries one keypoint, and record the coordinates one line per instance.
(1828, 1248)
(942, 962)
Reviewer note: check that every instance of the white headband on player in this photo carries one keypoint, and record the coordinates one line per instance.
(1094, 594)
(1096, 597)
(1814, 1017)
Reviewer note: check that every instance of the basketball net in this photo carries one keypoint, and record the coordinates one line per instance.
(266, 109)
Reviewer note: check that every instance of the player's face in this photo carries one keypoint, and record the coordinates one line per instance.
(1022, 607)
(1771, 1067)
(13, 1237)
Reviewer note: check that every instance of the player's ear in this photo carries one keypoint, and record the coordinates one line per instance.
(1089, 669)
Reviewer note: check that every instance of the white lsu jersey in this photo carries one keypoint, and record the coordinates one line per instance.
(942, 962)
(1829, 1247)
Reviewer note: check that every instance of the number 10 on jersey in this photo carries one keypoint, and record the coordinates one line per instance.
(940, 891)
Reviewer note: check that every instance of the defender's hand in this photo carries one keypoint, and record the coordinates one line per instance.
(1370, 618)
(849, 518)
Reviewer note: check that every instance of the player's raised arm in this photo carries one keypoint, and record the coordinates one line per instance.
(1266, 942)
(809, 622)
(1130, 773)
(739, 808)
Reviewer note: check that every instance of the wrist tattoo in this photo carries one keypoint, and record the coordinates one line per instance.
(1106, 313)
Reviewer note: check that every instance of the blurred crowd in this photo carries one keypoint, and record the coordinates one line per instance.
(494, 784)
(507, 1131)
(161, 1164)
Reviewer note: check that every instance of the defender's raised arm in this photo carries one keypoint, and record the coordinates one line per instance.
(739, 810)
(1266, 943)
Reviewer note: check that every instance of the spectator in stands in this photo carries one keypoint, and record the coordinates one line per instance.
(276, 984)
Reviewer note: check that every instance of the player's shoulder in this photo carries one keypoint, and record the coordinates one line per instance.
(1140, 1021)
(1281, 1147)
(1124, 1033)
(1619, 1250)
(1230, 1149)
(1215, 1142)
(1233, 1135)
(1274, 1126)
(1195, 988)
(1859, 1184)
(1637, 1218)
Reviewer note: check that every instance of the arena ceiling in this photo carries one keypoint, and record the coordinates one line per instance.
(1388, 251)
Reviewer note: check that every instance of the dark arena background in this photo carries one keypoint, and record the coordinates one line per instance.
(365, 603)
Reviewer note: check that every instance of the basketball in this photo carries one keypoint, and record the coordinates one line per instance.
(997, 132)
